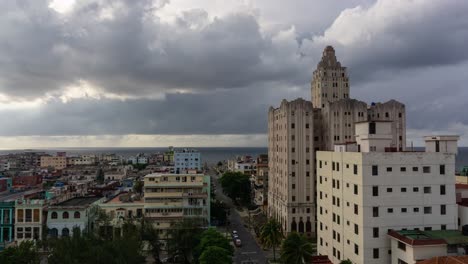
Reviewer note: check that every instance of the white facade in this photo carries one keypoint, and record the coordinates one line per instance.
(187, 159)
(82, 160)
(361, 196)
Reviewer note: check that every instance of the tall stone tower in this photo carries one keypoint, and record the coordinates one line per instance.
(330, 81)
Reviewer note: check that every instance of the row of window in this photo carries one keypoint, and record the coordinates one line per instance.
(425, 169)
(426, 210)
(65, 215)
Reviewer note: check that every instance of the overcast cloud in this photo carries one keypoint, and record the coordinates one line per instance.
(141, 72)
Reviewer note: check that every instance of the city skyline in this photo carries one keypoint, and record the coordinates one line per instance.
(159, 73)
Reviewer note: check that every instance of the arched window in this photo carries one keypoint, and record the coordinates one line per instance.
(65, 215)
(76, 215)
(65, 232)
(294, 226)
(53, 232)
(54, 215)
(308, 226)
(301, 227)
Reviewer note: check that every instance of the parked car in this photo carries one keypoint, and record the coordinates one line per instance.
(234, 232)
(238, 243)
(235, 236)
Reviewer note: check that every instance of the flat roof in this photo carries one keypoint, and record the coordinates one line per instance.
(116, 199)
(79, 201)
(433, 237)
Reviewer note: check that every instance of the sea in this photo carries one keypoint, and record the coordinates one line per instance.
(210, 155)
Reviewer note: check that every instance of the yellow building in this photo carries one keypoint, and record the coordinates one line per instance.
(56, 162)
(171, 198)
(28, 219)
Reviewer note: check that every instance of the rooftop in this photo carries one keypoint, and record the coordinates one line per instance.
(434, 237)
(79, 201)
(445, 260)
(123, 198)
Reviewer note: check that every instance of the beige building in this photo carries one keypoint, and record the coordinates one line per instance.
(56, 162)
(363, 195)
(172, 197)
(291, 157)
(327, 121)
(28, 219)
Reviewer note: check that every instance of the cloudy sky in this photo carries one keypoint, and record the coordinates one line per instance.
(203, 73)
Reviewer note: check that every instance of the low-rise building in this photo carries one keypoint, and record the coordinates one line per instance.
(170, 198)
(123, 207)
(414, 246)
(82, 160)
(260, 181)
(7, 212)
(77, 212)
(28, 219)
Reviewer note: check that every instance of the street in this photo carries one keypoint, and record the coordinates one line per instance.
(250, 251)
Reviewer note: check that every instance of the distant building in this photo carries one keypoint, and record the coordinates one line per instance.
(125, 206)
(28, 219)
(139, 159)
(260, 181)
(55, 162)
(5, 184)
(169, 198)
(187, 159)
(367, 188)
(82, 160)
(78, 212)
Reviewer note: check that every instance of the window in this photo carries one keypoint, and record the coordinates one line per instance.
(77, 215)
(356, 229)
(307, 198)
(307, 162)
(20, 215)
(356, 211)
(293, 198)
(403, 189)
(54, 215)
(427, 210)
(372, 128)
(416, 209)
(443, 209)
(375, 211)
(389, 190)
(442, 190)
(403, 169)
(293, 174)
(293, 150)
(293, 162)
(443, 227)
(428, 228)
(427, 189)
(292, 125)
(442, 169)
(307, 125)
(375, 190)
(375, 232)
(376, 253)
(36, 215)
(389, 169)
(293, 186)
(65, 215)
(375, 170)
(415, 169)
(355, 169)
(355, 189)
(401, 245)
(403, 210)
(356, 249)
(426, 169)
(415, 189)
(390, 210)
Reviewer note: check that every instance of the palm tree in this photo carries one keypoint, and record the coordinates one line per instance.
(271, 235)
(296, 249)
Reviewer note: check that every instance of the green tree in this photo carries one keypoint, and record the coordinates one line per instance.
(138, 187)
(183, 238)
(210, 238)
(236, 185)
(24, 253)
(271, 235)
(218, 212)
(214, 254)
(151, 236)
(297, 249)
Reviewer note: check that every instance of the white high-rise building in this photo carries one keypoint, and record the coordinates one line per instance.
(368, 187)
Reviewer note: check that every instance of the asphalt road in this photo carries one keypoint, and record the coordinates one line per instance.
(250, 252)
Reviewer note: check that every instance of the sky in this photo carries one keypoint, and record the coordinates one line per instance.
(153, 73)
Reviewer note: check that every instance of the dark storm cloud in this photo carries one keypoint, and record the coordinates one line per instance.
(413, 51)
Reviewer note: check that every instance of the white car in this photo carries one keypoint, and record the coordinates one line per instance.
(234, 232)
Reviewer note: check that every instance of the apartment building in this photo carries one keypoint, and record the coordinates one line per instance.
(28, 219)
(187, 159)
(291, 158)
(55, 162)
(260, 181)
(169, 198)
(367, 188)
(328, 119)
(82, 160)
